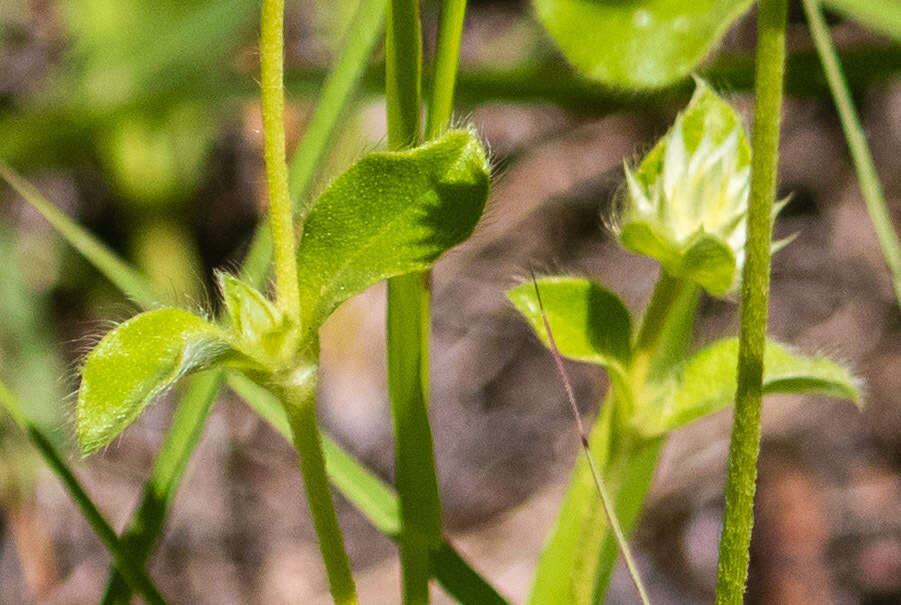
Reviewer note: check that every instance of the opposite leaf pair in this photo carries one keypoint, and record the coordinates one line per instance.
(591, 324)
(391, 213)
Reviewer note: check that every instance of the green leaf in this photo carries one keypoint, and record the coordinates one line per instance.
(706, 383)
(879, 15)
(391, 213)
(137, 362)
(637, 43)
(588, 321)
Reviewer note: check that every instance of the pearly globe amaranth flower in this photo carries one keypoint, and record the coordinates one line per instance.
(686, 202)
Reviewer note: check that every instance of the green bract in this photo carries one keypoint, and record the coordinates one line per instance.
(706, 383)
(391, 213)
(258, 327)
(686, 202)
(637, 43)
(137, 362)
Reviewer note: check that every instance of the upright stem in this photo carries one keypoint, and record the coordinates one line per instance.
(447, 56)
(857, 144)
(738, 520)
(299, 399)
(408, 328)
(272, 93)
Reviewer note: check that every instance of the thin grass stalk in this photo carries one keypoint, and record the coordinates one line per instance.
(131, 571)
(870, 185)
(447, 57)
(738, 519)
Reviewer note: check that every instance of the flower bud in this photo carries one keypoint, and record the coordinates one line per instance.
(687, 200)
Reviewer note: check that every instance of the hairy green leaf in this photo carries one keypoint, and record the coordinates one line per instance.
(137, 362)
(637, 43)
(391, 213)
(706, 383)
(588, 321)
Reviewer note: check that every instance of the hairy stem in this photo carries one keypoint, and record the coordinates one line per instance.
(299, 400)
(193, 409)
(738, 520)
(272, 94)
(870, 185)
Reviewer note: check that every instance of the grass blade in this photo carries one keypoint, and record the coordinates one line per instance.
(125, 277)
(870, 185)
(879, 15)
(130, 569)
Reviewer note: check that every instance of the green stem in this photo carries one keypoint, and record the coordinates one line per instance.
(335, 97)
(408, 327)
(193, 409)
(299, 400)
(131, 571)
(580, 554)
(870, 185)
(403, 72)
(272, 92)
(447, 56)
(376, 500)
(738, 520)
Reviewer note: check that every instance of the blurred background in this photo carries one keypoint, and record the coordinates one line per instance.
(140, 119)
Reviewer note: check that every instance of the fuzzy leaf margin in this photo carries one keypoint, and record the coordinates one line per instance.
(706, 383)
(391, 213)
(134, 364)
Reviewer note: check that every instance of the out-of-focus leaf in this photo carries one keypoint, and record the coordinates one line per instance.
(391, 213)
(124, 276)
(883, 16)
(588, 321)
(637, 43)
(706, 383)
(137, 362)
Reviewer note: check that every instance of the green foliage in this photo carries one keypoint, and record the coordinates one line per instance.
(706, 383)
(388, 214)
(130, 281)
(391, 213)
(637, 43)
(879, 15)
(134, 364)
(687, 200)
(259, 328)
(589, 322)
